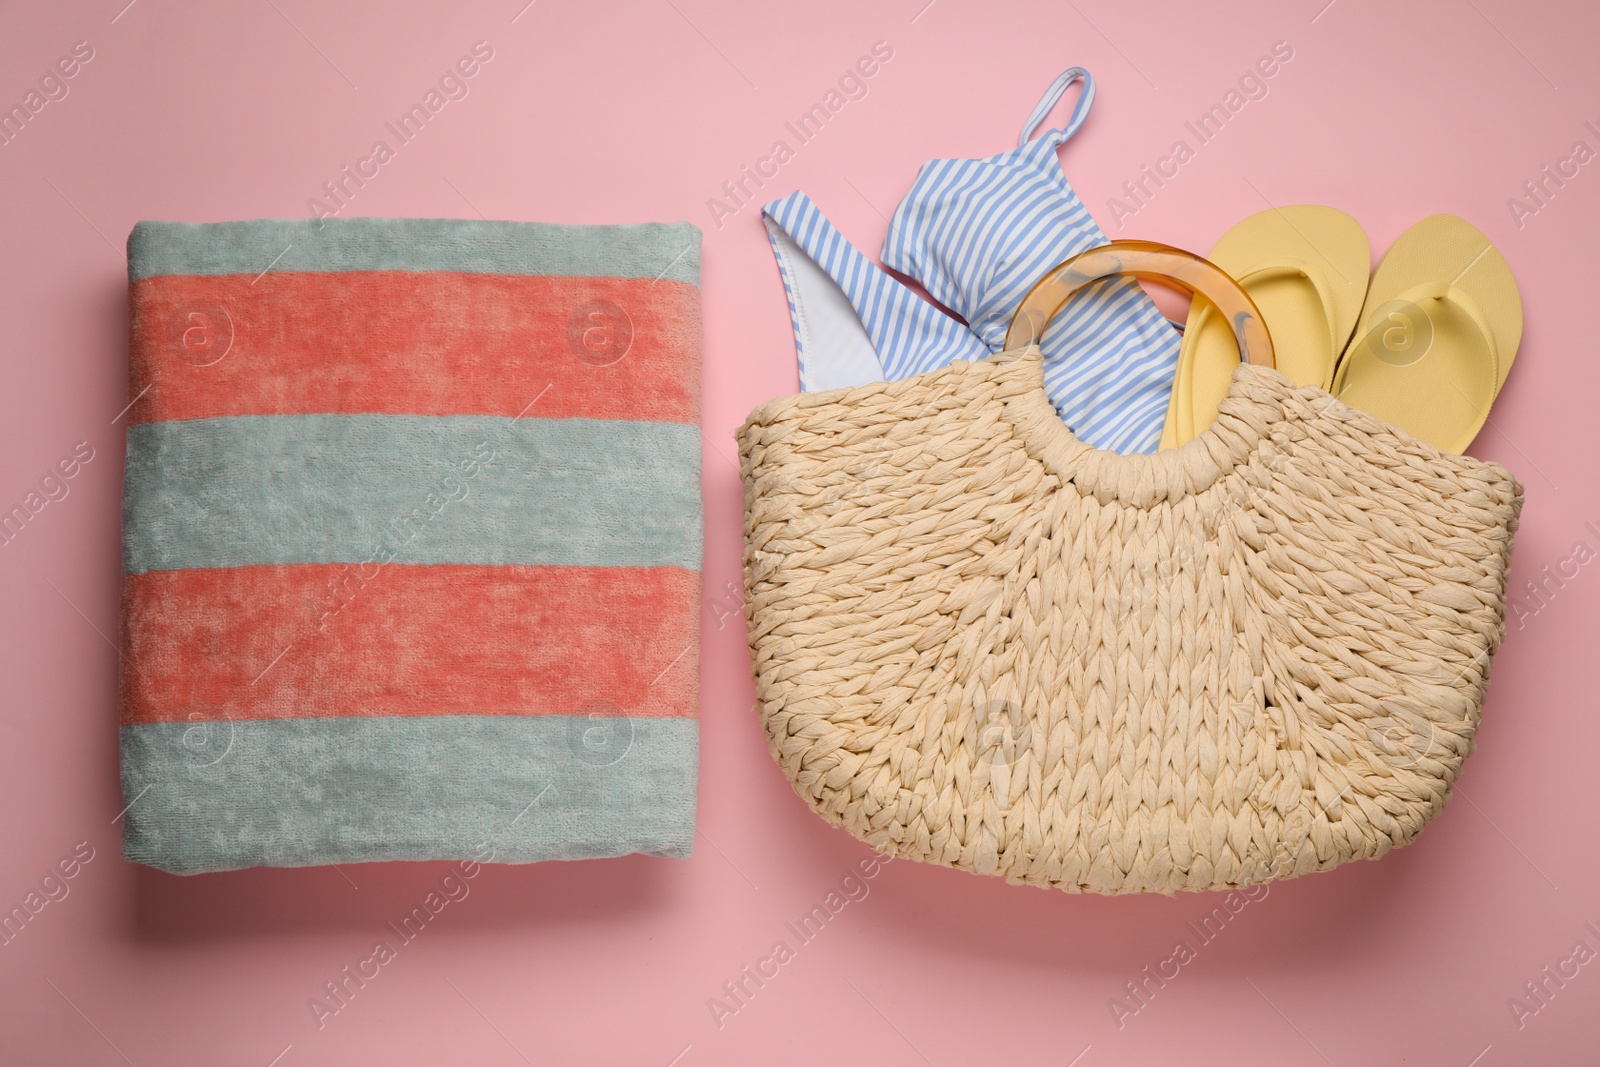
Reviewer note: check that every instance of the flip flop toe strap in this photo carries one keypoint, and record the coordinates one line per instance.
(1463, 300)
(1312, 275)
(1420, 296)
(1184, 390)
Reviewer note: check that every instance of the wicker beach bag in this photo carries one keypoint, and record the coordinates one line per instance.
(981, 643)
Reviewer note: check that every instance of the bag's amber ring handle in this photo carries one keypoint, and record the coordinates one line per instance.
(1154, 262)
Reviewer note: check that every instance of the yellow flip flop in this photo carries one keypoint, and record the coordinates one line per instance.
(1306, 268)
(1437, 337)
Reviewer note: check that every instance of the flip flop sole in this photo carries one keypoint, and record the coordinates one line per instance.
(1423, 364)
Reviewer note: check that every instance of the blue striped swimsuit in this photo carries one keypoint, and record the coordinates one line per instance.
(977, 234)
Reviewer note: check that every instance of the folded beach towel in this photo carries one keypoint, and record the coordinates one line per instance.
(412, 537)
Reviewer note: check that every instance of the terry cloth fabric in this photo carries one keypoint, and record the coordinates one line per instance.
(412, 537)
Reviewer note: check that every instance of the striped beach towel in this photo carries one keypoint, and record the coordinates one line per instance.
(412, 536)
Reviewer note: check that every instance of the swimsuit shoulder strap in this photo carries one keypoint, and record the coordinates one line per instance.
(1052, 96)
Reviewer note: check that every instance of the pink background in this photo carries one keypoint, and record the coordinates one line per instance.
(596, 112)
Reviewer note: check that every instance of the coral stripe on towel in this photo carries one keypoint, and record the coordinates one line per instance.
(331, 640)
(417, 343)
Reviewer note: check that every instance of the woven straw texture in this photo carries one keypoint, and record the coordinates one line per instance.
(981, 643)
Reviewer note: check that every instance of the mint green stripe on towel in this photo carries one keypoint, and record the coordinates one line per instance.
(248, 490)
(669, 251)
(290, 793)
